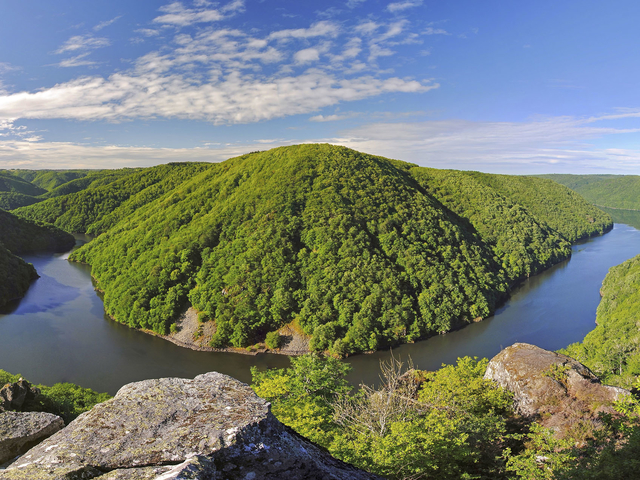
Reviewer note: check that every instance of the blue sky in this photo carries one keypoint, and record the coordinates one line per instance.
(496, 86)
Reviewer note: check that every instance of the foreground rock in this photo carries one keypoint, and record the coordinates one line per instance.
(211, 427)
(19, 431)
(14, 396)
(557, 391)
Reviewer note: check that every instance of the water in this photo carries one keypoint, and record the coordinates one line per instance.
(59, 333)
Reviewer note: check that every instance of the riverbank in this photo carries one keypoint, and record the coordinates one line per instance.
(195, 335)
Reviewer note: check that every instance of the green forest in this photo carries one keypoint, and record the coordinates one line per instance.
(613, 191)
(445, 425)
(360, 252)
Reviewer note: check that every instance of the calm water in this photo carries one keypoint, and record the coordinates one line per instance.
(59, 333)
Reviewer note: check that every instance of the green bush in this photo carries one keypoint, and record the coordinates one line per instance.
(273, 340)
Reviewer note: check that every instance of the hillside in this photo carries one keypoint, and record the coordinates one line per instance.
(16, 276)
(359, 251)
(25, 236)
(612, 349)
(614, 191)
(9, 183)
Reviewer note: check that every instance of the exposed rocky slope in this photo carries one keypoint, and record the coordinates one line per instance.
(557, 391)
(211, 427)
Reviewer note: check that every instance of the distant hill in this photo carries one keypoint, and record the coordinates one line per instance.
(26, 236)
(9, 183)
(360, 251)
(614, 191)
(19, 188)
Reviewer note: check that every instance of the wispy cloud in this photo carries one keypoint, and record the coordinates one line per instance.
(148, 32)
(226, 76)
(77, 61)
(400, 6)
(354, 3)
(83, 42)
(559, 145)
(176, 14)
(320, 29)
(106, 23)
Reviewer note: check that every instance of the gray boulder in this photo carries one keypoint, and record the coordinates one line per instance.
(13, 396)
(19, 431)
(211, 427)
(556, 390)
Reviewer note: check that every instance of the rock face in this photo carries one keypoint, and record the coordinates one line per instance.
(19, 431)
(211, 427)
(13, 396)
(557, 391)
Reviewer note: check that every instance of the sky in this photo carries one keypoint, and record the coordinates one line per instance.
(496, 86)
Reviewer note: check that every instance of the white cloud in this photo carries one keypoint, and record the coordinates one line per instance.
(334, 117)
(176, 14)
(435, 31)
(354, 3)
(236, 99)
(148, 32)
(320, 29)
(106, 23)
(224, 76)
(77, 61)
(83, 42)
(545, 146)
(400, 6)
(307, 55)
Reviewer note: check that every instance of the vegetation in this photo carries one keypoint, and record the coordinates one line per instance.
(48, 179)
(612, 349)
(364, 252)
(10, 183)
(66, 400)
(615, 191)
(448, 424)
(12, 200)
(16, 276)
(25, 236)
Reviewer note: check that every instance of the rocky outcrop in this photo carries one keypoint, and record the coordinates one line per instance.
(14, 396)
(557, 391)
(211, 427)
(19, 431)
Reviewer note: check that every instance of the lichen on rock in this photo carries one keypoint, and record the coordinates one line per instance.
(207, 428)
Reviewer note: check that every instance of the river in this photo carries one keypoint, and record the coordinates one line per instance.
(59, 332)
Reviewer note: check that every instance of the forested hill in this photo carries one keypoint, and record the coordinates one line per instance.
(359, 251)
(19, 188)
(614, 191)
(19, 236)
(25, 236)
